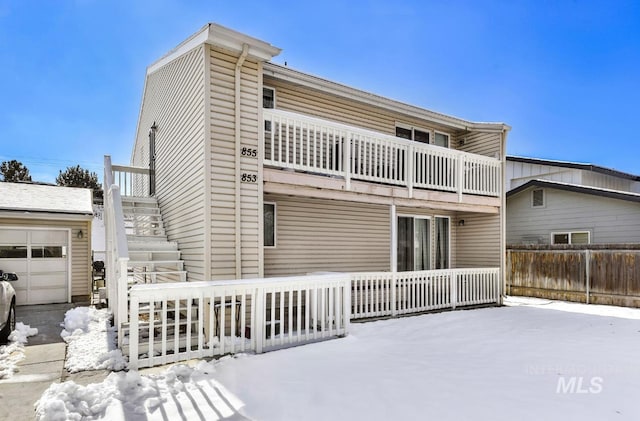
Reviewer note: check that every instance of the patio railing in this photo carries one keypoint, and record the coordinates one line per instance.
(325, 147)
(176, 322)
(180, 321)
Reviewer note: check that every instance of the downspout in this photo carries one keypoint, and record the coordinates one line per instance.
(238, 140)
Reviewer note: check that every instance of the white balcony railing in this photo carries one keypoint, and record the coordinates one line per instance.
(325, 147)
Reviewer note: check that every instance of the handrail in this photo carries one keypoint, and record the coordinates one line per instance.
(313, 144)
(116, 248)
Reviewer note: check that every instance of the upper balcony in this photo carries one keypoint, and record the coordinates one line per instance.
(322, 147)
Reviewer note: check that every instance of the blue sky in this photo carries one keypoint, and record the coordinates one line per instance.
(563, 74)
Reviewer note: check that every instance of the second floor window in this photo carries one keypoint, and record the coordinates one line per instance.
(412, 133)
(268, 97)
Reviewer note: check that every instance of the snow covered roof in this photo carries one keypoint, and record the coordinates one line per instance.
(596, 191)
(39, 198)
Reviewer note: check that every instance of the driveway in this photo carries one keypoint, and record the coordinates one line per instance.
(43, 365)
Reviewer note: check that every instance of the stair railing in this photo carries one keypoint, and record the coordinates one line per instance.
(116, 249)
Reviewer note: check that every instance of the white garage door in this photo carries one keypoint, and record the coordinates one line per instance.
(40, 258)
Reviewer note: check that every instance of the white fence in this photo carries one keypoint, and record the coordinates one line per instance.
(378, 294)
(175, 322)
(311, 144)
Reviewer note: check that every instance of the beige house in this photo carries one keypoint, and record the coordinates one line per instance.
(45, 237)
(260, 170)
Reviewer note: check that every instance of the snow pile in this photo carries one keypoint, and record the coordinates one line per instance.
(12, 353)
(91, 341)
(181, 392)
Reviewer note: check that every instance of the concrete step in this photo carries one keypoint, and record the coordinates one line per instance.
(157, 277)
(152, 246)
(151, 264)
(154, 254)
(135, 200)
(146, 238)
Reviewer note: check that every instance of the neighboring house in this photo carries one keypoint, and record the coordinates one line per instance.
(45, 234)
(556, 202)
(260, 170)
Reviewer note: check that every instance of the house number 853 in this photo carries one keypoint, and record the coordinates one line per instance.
(249, 178)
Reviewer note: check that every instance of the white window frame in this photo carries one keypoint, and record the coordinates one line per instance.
(435, 132)
(274, 95)
(544, 199)
(275, 225)
(430, 218)
(413, 129)
(569, 234)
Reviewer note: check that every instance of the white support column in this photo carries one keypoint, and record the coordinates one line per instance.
(346, 153)
(460, 177)
(394, 238)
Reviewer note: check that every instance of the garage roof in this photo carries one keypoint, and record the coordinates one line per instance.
(41, 198)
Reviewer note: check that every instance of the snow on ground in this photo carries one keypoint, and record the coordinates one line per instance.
(12, 353)
(527, 361)
(91, 341)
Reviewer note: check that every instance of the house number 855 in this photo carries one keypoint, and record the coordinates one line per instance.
(249, 152)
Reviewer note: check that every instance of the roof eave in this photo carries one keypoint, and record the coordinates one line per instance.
(304, 79)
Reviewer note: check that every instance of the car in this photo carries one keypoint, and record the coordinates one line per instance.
(7, 305)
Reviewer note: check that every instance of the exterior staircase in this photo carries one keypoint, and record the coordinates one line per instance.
(152, 258)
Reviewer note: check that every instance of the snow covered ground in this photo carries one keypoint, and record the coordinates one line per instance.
(533, 360)
(13, 352)
(91, 341)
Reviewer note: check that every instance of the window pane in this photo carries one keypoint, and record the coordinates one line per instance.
(560, 238)
(580, 238)
(537, 198)
(421, 247)
(13, 252)
(405, 244)
(420, 136)
(268, 98)
(269, 225)
(441, 139)
(442, 243)
(403, 133)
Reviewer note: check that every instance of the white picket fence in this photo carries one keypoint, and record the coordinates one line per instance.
(379, 294)
(177, 322)
(315, 145)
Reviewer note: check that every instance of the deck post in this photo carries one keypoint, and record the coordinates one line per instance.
(460, 176)
(259, 320)
(453, 288)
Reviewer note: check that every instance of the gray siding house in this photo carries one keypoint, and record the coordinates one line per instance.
(556, 202)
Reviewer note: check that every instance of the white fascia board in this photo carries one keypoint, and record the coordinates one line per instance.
(222, 37)
(18, 214)
(314, 82)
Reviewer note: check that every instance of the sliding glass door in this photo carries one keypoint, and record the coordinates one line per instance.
(414, 243)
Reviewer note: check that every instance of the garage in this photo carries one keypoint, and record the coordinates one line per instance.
(40, 259)
(45, 238)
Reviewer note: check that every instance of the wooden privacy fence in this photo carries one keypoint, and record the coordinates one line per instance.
(598, 274)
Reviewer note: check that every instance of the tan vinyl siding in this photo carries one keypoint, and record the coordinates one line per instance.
(608, 220)
(80, 253)
(478, 241)
(174, 100)
(307, 101)
(487, 144)
(223, 158)
(325, 235)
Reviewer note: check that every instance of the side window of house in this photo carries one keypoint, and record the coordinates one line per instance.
(268, 101)
(268, 97)
(537, 198)
(575, 237)
(269, 224)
